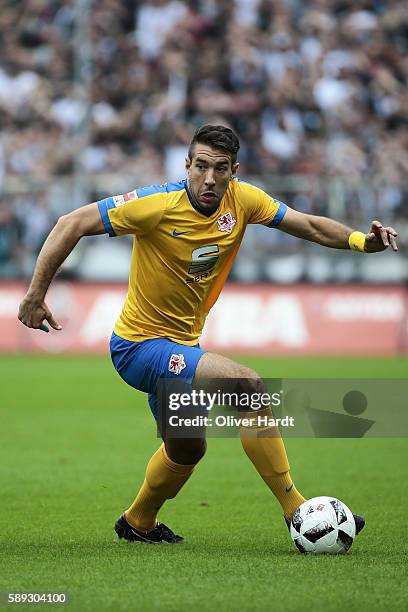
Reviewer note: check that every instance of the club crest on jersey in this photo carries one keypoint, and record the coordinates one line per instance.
(177, 363)
(226, 223)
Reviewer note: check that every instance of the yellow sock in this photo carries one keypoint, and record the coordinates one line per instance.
(265, 448)
(163, 480)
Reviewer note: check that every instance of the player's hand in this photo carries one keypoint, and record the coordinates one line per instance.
(33, 313)
(380, 238)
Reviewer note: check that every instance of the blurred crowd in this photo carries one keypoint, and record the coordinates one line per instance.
(313, 88)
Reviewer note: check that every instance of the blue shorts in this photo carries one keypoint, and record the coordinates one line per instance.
(141, 364)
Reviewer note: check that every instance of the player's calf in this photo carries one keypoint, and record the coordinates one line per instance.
(163, 480)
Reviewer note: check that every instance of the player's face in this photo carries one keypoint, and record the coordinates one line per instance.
(209, 172)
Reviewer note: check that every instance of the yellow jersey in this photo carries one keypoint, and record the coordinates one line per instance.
(181, 256)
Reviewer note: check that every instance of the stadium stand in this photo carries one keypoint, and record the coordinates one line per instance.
(316, 91)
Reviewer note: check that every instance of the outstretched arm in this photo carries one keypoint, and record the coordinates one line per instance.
(330, 233)
(85, 221)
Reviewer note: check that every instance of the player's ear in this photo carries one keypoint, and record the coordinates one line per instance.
(188, 164)
(235, 168)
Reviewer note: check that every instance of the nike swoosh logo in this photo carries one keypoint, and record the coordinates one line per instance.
(176, 233)
(288, 490)
(137, 533)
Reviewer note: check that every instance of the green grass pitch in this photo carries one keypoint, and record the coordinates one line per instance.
(73, 447)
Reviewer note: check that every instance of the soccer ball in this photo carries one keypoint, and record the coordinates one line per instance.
(323, 525)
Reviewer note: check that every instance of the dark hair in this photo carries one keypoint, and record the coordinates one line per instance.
(216, 137)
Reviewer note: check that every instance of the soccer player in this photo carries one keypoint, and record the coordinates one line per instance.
(186, 236)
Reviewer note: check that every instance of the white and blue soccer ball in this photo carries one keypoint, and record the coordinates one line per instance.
(323, 525)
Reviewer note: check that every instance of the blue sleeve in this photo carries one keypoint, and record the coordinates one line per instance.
(104, 206)
(280, 213)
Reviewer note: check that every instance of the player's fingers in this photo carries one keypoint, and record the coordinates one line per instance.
(52, 322)
(35, 320)
(376, 225)
(384, 236)
(36, 323)
(370, 237)
(23, 316)
(26, 320)
(393, 241)
(33, 317)
(32, 325)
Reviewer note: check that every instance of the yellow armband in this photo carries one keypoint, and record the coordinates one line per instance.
(357, 241)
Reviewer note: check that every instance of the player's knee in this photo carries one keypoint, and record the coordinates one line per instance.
(186, 451)
(250, 382)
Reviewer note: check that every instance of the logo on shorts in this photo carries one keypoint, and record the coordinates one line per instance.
(226, 223)
(177, 363)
